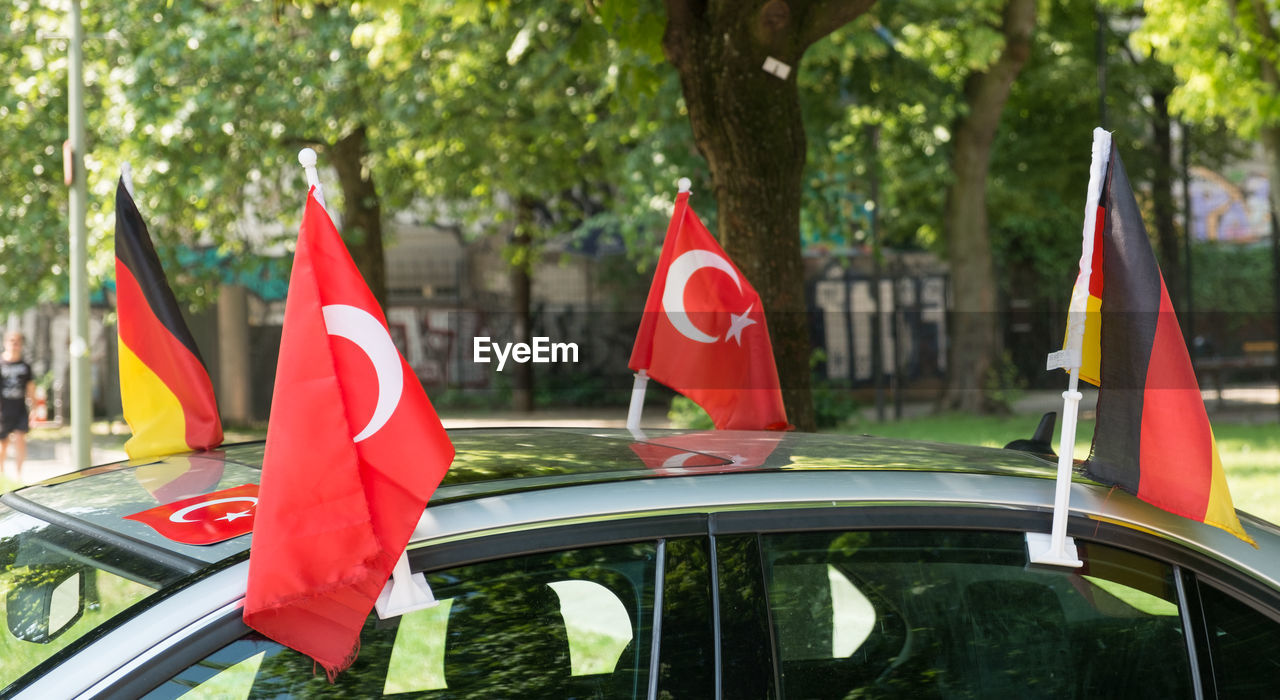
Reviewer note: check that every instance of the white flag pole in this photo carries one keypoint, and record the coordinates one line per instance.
(641, 383)
(126, 176)
(307, 157)
(404, 591)
(638, 388)
(1056, 549)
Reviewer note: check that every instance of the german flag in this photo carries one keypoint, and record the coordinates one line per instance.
(164, 386)
(1153, 437)
(182, 476)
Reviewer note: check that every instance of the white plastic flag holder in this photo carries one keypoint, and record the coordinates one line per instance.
(404, 591)
(637, 403)
(1055, 548)
(307, 158)
(641, 383)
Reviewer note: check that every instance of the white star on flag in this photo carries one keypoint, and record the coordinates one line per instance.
(232, 516)
(738, 322)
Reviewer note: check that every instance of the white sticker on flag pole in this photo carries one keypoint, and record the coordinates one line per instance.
(1064, 359)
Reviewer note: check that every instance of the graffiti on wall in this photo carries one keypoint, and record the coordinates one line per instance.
(912, 325)
(1229, 209)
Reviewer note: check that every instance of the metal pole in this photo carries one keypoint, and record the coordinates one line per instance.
(895, 332)
(877, 337)
(81, 409)
(1275, 288)
(1188, 233)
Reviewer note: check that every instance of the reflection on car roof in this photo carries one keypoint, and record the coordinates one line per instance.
(497, 461)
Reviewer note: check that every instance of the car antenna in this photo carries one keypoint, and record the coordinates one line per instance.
(1041, 442)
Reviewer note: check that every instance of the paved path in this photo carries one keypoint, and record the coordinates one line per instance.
(47, 458)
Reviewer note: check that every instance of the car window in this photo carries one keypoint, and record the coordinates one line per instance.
(566, 624)
(956, 614)
(1244, 645)
(57, 585)
(746, 654)
(687, 649)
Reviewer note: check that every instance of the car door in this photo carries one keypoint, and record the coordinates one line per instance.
(941, 603)
(566, 612)
(872, 603)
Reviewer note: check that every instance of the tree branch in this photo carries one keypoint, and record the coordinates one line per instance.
(680, 21)
(826, 16)
(1265, 36)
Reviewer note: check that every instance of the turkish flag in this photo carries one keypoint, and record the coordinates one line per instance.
(354, 450)
(206, 519)
(703, 332)
(706, 452)
(669, 459)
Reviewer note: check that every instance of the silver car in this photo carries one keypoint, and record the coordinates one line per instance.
(590, 564)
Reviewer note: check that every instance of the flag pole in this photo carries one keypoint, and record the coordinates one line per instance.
(1056, 549)
(641, 383)
(307, 157)
(638, 388)
(404, 591)
(126, 176)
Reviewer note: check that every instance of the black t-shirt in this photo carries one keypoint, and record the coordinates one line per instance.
(14, 377)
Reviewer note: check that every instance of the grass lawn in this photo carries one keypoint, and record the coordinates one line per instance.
(1250, 453)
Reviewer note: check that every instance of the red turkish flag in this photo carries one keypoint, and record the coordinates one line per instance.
(703, 332)
(354, 450)
(204, 519)
(706, 452)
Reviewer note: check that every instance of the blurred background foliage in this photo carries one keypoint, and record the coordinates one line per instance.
(539, 119)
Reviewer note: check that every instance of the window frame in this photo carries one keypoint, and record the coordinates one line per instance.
(1190, 565)
(230, 626)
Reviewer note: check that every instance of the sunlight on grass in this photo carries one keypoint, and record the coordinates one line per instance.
(1250, 453)
(1134, 598)
(597, 625)
(968, 429)
(1251, 457)
(417, 658)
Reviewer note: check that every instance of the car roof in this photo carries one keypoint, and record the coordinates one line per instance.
(516, 462)
(493, 461)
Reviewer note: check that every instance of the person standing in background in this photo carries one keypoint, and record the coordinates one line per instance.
(17, 391)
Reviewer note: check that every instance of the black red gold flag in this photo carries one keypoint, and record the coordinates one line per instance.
(165, 388)
(1153, 437)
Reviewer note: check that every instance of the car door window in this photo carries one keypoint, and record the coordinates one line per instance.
(565, 624)
(58, 585)
(1244, 645)
(956, 614)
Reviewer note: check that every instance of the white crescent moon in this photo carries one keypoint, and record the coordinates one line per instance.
(360, 327)
(682, 268)
(180, 516)
(678, 460)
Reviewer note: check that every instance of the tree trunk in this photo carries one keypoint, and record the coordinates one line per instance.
(361, 212)
(747, 124)
(522, 304)
(975, 341)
